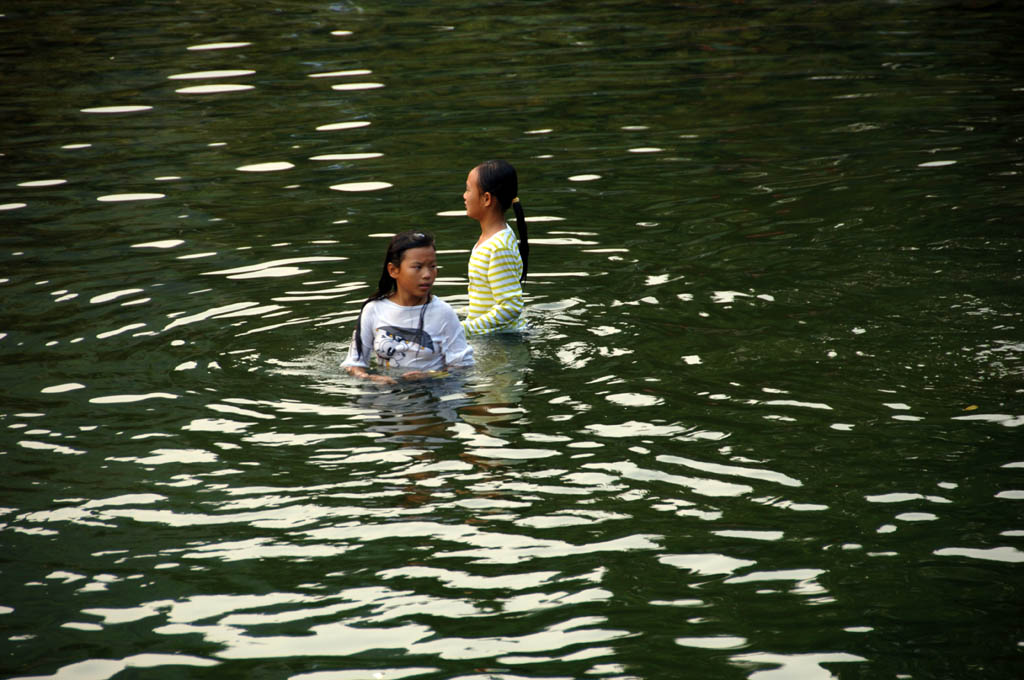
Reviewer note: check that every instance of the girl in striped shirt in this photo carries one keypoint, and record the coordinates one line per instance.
(497, 265)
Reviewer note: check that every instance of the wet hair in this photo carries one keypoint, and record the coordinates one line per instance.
(499, 179)
(386, 285)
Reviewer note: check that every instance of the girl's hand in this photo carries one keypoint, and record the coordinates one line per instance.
(362, 373)
(423, 375)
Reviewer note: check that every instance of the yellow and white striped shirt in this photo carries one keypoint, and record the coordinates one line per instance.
(495, 294)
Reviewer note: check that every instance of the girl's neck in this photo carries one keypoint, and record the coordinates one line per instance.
(407, 300)
(491, 225)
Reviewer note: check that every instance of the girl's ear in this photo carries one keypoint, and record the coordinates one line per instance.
(488, 198)
(392, 270)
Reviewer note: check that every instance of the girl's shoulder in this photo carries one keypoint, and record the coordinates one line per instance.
(503, 240)
(381, 308)
(441, 305)
(375, 305)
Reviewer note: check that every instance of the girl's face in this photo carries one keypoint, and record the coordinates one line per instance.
(476, 203)
(415, 275)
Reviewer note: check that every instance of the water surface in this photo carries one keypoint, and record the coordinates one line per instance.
(764, 425)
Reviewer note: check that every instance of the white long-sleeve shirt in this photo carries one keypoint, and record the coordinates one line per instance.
(392, 333)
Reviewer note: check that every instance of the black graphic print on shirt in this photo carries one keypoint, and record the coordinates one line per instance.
(393, 343)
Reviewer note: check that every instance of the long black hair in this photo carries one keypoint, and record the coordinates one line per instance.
(499, 178)
(386, 284)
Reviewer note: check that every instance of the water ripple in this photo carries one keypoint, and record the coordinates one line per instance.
(217, 46)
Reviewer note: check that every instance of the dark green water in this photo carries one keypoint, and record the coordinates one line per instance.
(766, 424)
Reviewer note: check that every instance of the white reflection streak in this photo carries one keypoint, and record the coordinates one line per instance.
(533, 602)
(263, 329)
(512, 454)
(124, 198)
(633, 428)
(261, 549)
(214, 89)
(118, 331)
(91, 513)
(375, 674)
(46, 446)
(107, 297)
(299, 407)
(332, 639)
(288, 517)
(713, 642)
(182, 456)
(512, 549)
(342, 74)
(222, 425)
(248, 413)
(362, 186)
(706, 564)
(491, 547)
(632, 399)
(751, 473)
(117, 109)
(806, 579)
(169, 243)
(347, 125)
(705, 487)
(803, 666)
(461, 579)
(250, 271)
(800, 404)
(199, 75)
(216, 311)
(356, 86)
(554, 637)
(64, 387)
(102, 669)
(346, 156)
(1002, 419)
(217, 46)
(131, 398)
(999, 554)
(43, 183)
(270, 166)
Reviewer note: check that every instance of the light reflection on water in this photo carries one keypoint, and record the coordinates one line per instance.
(750, 430)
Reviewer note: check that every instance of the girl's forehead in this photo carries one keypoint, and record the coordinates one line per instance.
(420, 253)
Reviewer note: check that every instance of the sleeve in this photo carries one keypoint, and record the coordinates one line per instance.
(368, 322)
(503, 276)
(457, 351)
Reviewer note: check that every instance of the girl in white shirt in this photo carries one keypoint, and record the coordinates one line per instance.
(413, 334)
(497, 266)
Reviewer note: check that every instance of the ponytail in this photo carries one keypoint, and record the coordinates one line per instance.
(524, 238)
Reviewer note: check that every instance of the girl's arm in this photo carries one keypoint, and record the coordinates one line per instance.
(503, 274)
(355, 364)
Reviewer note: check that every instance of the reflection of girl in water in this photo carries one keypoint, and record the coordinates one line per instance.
(411, 332)
(497, 266)
(496, 386)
